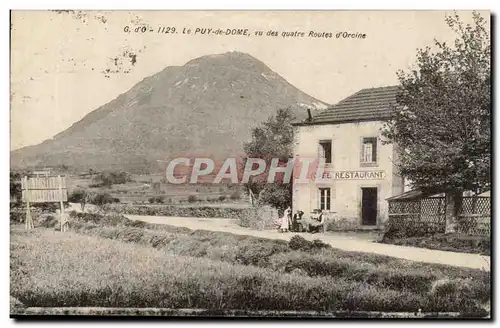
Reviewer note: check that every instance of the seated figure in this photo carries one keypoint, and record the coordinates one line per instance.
(298, 222)
(316, 223)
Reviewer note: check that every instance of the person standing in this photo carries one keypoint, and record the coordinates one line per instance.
(285, 220)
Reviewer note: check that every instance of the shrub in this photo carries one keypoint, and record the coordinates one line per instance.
(172, 210)
(222, 198)
(47, 207)
(135, 223)
(235, 195)
(258, 254)
(107, 179)
(110, 220)
(104, 198)
(157, 200)
(299, 243)
(192, 199)
(259, 218)
(17, 216)
(47, 221)
(77, 196)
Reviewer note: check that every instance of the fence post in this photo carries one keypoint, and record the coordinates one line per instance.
(29, 220)
(61, 203)
(453, 201)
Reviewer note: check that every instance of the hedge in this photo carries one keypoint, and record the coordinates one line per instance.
(259, 218)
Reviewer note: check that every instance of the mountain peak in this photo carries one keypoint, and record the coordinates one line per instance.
(209, 105)
(230, 58)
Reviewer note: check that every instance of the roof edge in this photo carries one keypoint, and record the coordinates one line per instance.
(381, 119)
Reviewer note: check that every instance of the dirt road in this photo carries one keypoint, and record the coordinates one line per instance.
(348, 243)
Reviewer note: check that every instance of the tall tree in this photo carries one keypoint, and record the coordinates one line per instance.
(15, 186)
(272, 139)
(442, 119)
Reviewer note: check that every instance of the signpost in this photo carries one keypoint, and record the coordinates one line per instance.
(44, 189)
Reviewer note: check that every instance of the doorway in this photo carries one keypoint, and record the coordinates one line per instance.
(369, 206)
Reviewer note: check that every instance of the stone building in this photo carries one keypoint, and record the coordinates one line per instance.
(359, 172)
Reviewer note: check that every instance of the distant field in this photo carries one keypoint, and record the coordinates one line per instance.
(144, 187)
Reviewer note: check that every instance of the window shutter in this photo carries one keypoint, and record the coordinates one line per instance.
(374, 150)
(320, 151)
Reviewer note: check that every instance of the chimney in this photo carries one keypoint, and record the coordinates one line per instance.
(309, 116)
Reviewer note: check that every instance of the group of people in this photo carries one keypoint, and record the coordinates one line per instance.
(299, 223)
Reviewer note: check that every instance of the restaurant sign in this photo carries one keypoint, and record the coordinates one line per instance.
(354, 175)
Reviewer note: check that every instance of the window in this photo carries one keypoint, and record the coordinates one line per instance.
(325, 148)
(324, 199)
(369, 151)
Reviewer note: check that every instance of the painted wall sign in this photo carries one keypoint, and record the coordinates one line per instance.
(354, 175)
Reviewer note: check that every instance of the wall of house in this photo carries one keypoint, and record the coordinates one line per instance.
(346, 192)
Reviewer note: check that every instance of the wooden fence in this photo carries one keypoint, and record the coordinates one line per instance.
(428, 215)
(475, 216)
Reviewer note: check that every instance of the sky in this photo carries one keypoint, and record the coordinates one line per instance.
(67, 64)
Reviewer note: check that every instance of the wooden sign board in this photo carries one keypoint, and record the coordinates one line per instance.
(44, 189)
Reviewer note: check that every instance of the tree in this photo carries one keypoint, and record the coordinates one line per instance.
(441, 122)
(15, 186)
(272, 139)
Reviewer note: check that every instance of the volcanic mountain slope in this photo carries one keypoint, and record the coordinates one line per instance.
(208, 106)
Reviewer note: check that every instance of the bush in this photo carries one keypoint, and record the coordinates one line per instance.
(297, 243)
(222, 198)
(110, 220)
(235, 196)
(172, 210)
(104, 198)
(258, 254)
(157, 200)
(17, 216)
(47, 221)
(259, 218)
(47, 207)
(77, 196)
(192, 199)
(107, 179)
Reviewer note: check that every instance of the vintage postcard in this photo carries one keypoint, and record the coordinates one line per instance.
(298, 164)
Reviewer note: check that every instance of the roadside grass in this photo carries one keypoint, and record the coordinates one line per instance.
(299, 256)
(454, 243)
(49, 268)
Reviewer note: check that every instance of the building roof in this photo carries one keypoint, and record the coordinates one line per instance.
(410, 195)
(365, 105)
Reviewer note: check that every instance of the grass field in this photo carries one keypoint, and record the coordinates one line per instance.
(143, 187)
(114, 263)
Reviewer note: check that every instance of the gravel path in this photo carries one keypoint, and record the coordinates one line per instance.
(348, 243)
